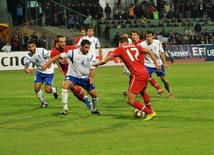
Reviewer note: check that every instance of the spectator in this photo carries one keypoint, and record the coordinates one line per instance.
(48, 14)
(116, 39)
(108, 11)
(55, 20)
(6, 48)
(25, 39)
(87, 21)
(188, 31)
(20, 14)
(200, 10)
(34, 38)
(131, 11)
(155, 14)
(41, 13)
(71, 21)
(16, 42)
(99, 11)
(42, 40)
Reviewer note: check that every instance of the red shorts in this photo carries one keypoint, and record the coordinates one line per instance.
(138, 83)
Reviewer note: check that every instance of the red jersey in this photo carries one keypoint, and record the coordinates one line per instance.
(133, 58)
(137, 43)
(77, 40)
(62, 62)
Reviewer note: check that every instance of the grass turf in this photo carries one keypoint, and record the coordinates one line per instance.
(183, 125)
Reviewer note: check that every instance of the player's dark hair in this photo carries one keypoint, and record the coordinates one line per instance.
(150, 32)
(123, 40)
(90, 28)
(134, 31)
(31, 42)
(85, 41)
(60, 36)
(82, 28)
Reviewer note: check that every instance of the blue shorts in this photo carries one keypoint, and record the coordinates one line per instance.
(83, 82)
(155, 70)
(47, 78)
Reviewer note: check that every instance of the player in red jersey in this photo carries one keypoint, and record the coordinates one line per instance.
(135, 41)
(133, 58)
(63, 66)
(82, 34)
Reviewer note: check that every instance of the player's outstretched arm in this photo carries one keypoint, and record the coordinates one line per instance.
(45, 66)
(107, 59)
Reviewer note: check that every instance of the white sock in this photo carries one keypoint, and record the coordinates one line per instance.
(40, 95)
(65, 99)
(95, 103)
(53, 90)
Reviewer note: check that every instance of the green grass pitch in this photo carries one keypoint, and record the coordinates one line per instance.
(184, 125)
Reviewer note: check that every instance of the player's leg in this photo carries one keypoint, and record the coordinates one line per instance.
(94, 97)
(79, 94)
(48, 85)
(137, 104)
(40, 95)
(38, 81)
(146, 98)
(167, 87)
(137, 85)
(66, 86)
(153, 82)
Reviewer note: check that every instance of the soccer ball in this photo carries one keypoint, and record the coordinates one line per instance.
(138, 114)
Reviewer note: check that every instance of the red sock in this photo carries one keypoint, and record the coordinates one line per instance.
(141, 107)
(154, 83)
(146, 99)
(78, 92)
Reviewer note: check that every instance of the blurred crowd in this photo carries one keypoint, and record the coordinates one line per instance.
(76, 15)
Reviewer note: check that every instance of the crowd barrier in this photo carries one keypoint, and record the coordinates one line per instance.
(14, 60)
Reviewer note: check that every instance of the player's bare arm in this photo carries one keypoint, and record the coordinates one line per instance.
(107, 59)
(163, 58)
(100, 51)
(45, 66)
(91, 76)
(59, 67)
(28, 71)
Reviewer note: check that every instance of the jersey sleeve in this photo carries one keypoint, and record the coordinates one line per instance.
(68, 54)
(79, 42)
(117, 52)
(53, 53)
(140, 49)
(27, 61)
(98, 43)
(47, 53)
(161, 50)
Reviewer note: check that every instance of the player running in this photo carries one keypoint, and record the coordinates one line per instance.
(62, 64)
(133, 58)
(80, 72)
(156, 47)
(38, 57)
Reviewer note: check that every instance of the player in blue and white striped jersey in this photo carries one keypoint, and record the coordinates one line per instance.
(80, 72)
(38, 57)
